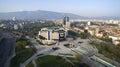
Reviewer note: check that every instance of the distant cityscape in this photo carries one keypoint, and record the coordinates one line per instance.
(59, 33)
(91, 43)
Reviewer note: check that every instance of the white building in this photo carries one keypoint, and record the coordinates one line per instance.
(2, 25)
(115, 40)
(113, 21)
(14, 18)
(15, 27)
(21, 26)
(89, 23)
(68, 24)
(52, 35)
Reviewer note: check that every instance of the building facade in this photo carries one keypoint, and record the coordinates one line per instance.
(52, 34)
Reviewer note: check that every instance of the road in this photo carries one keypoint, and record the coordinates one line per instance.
(34, 63)
(62, 51)
(67, 60)
(30, 59)
(46, 50)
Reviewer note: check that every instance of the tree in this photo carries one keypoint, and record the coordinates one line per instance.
(83, 35)
(79, 57)
(70, 32)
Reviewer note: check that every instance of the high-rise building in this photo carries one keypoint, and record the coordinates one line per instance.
(14, 18)
(21, 26)
(89, 23)
(65, 20)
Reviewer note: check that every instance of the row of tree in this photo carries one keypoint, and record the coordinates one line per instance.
(82, 35)
(33, 28)
(109, 50)
(22, 53)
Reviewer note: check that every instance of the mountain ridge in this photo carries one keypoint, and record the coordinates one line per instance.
(42, 14)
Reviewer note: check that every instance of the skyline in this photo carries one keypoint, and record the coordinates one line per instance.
(89, 8)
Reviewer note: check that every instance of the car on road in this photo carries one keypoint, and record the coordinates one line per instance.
(55, 48)
(40, 54)
(80, 42)
(66, 45)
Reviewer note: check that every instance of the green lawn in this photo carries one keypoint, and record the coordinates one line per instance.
(74, 60)
(21, 57)
(22, 53)
(52, 61)
(78, 61)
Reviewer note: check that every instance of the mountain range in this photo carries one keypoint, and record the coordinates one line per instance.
(42, 14)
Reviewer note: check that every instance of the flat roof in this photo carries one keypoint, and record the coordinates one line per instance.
(53, 29)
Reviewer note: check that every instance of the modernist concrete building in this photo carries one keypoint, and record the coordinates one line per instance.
(52, 34)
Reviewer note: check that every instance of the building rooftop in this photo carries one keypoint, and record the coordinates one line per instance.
(56, 29)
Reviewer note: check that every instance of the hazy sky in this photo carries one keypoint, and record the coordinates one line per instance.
(80, 7)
